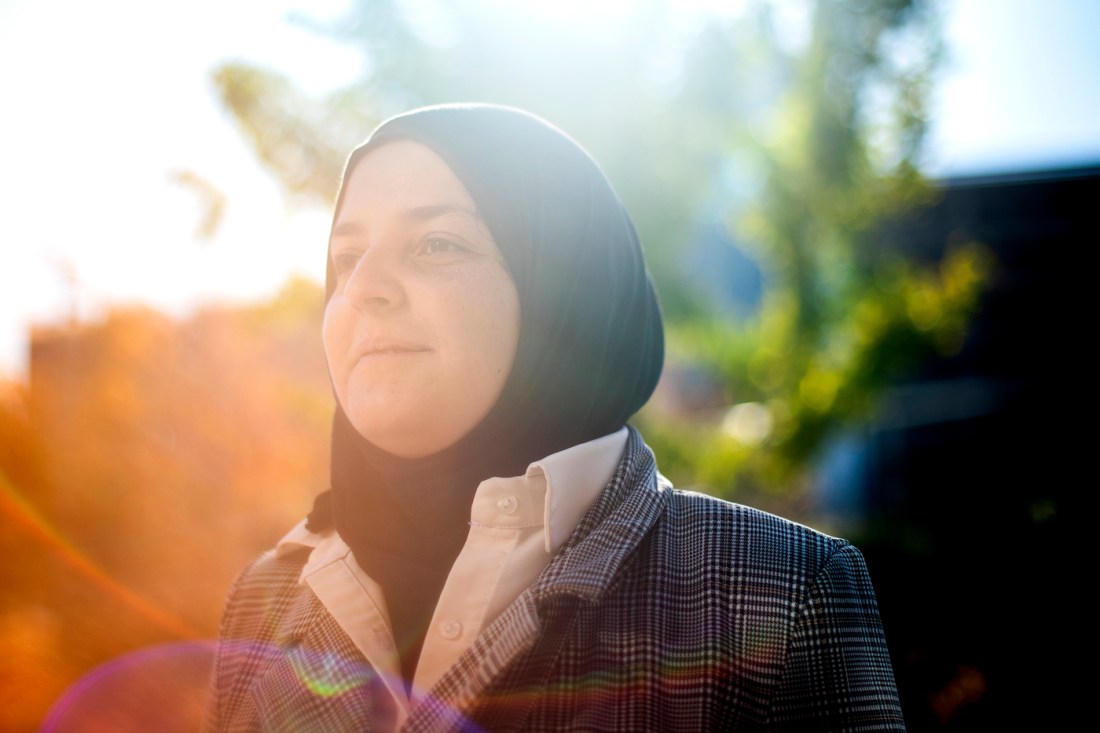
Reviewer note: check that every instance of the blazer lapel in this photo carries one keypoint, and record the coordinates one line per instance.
(524, 641)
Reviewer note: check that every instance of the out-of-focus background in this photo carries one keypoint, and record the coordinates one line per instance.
(861, 217)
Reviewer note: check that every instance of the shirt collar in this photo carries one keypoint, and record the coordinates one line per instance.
(565, 483)
(574, 478)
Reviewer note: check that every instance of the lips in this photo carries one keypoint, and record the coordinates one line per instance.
(376, 348)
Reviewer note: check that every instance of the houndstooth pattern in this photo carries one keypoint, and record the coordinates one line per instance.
(665, 611)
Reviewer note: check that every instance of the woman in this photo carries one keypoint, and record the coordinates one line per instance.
(497, 550)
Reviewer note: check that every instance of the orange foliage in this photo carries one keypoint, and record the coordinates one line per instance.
(143, 465)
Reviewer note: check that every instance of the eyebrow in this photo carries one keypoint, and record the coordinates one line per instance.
(423, 213)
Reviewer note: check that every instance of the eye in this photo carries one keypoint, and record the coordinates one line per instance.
(344, 261)
(436, 244)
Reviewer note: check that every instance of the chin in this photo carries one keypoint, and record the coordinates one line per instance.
(400, 437)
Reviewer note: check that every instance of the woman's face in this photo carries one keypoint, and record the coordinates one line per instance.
(421, 329)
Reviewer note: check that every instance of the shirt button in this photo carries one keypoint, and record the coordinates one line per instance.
(450, 629)
(508, 504)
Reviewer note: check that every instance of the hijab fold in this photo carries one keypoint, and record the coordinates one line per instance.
(590, 349)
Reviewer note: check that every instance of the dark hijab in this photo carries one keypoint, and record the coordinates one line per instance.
(590, 349)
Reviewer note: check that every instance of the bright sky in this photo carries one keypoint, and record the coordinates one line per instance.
(102, 102)
(1020, 88)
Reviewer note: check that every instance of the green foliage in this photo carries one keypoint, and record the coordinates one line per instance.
(796, 124)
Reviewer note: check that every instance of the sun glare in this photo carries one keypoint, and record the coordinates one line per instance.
(607, 18)
(582, 14)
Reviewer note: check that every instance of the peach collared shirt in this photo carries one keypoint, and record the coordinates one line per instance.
(517, 524)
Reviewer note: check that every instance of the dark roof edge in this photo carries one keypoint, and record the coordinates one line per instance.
(1030, 175)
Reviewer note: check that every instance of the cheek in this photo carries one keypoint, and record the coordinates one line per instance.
(496, 326)
(334, 338)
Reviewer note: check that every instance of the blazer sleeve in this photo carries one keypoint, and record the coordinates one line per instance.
(838, 675)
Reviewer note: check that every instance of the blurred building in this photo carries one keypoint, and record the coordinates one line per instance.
(973, 478)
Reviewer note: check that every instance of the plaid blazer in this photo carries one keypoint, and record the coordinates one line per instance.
(665, 611)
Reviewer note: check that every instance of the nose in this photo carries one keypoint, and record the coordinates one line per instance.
(375, 281)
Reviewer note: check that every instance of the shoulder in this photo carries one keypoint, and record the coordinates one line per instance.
(697, 512)
(688, 531)
(270, 572)
(763, 572)
(699, 531)
(261, 593)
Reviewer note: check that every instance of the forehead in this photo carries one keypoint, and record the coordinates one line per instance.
(401, 175)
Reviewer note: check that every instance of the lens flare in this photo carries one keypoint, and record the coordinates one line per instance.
(160, 688)
(14, 505)
(328, 674)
